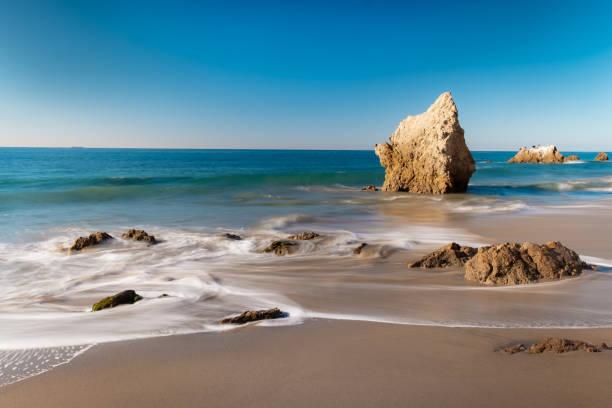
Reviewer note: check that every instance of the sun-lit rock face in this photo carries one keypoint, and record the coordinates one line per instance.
(427, 153)
(538, 154)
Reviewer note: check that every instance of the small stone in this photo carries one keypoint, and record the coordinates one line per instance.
(121, 298)
(371, 187)
(232, 237)
(255, 315)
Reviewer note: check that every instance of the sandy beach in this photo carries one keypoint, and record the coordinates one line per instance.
(328, 364)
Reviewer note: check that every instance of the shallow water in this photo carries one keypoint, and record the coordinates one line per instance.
(48, 197)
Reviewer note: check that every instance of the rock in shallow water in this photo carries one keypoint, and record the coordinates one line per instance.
(451, 255)
(281, 247)
(602, 157)
(514, 264)
(93, 239)
(371, 187)
(255, 315)
(139, 235)
(538, 154)
(572, 157)
(232, 237)
(427, 153)
(304, 236)
(122, 298)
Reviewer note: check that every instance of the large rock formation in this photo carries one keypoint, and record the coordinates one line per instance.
(514, 264)
(427, 153)
(538, 154)
(602, 157)
(451, 255)
(93, 239)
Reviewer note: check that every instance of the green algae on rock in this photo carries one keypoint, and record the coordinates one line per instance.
(127, 297)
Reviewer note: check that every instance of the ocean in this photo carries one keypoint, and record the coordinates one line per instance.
(189, 198)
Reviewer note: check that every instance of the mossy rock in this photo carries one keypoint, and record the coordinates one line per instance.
(127, 297)
(282, 247)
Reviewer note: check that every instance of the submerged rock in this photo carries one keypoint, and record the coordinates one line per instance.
(427, 153)
(538, 154)
(281, 247)
(232, 237)
(304, 236)
(255, 315)
(139, 235)
(572, 157)
(371, 187)
(602, 157)
(360, 248)
(554, 345)
(121, 298)
(93, 239)
(514, 264)
(452, 254)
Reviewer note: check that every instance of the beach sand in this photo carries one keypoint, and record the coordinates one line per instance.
(326, 363)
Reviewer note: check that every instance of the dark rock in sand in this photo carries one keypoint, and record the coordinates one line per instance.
(554, 345)
(572, 157)
(122, 298)
(232, 237)
(255, 315)
(139, 235)
(93, 239)
(602, 157)
(360, 248)
(371, 187)
(281, 247)
(304, 236)
(514, 264)
(451, 255)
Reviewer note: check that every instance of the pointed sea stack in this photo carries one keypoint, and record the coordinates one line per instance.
(427, 153)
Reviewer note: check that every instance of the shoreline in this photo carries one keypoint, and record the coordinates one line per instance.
(329, 363)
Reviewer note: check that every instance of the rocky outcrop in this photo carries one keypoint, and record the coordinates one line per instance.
(572, 157)
(452, 254)
(538, 154)
(427, 153)
(514, 264)
(601, 157)
(232, 237)
(139, 235)
(304, 236)
(371, 187)
(554, 345)
(360, 247)
(255, 315)
(281, 247)
(127, 297)
(93, 239)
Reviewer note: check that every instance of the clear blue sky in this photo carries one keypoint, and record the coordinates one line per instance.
(311, 75)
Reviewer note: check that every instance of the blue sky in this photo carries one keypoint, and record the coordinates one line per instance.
(302, 75)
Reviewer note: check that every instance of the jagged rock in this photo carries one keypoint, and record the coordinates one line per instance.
(281, 247)
(538, 154)
(555, 345)
(139, 235)
(360, 248)
(255, 315)
(304, 236)
(371, 187)
(602, 157)
(513, 264)
(427, 153)
(93, 239)
(121, 298)
(232, 237)
(452, 254)
(572, 157)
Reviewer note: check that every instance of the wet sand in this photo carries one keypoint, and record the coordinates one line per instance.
(327, 364)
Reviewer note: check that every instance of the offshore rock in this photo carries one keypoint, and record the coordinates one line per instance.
(255, 315)
(427, 153)
(572, 157)
(514, 264)
(127, 297)
(139, 235)
(93, 239)
(451, 255)
(371, 187)
(304, 236)
(538, 154)
(232, 237)
(602, 157)
(281, 247)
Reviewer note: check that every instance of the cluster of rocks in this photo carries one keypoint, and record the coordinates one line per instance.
(547, 155)
(427, 153)
(98, 238)
(508, 263)
(554, 345)
(255, 315)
